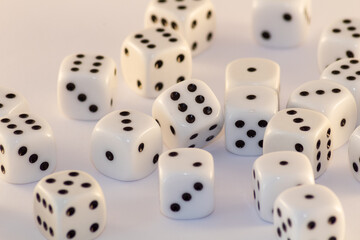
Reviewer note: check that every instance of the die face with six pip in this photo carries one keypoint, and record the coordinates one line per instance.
(86, 85)
(248, 110)
(189, 114)
(331, 99)
(275, 172)
(304, 131)
(69, 205)
(186, 179)
(154, 59)
(354, 153)
(27, 148)
(309, 212)
(281, 24)
(126, 145)
(195, 20)
(11, 102)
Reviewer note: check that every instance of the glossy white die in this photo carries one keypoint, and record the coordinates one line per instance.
(11, 102)
(354, 153)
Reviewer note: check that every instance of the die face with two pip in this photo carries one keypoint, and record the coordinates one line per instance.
(69, 205)
(11, 102)
(27, 148)
(86, 85)
(354, 153)
(331, 99)
(154, 59)
(309, 212)
(304, 131)
(248, 109)
(195, 20)
(281, 24)
(186, 179)
(189, 114)
(126, 145)
(275, 172)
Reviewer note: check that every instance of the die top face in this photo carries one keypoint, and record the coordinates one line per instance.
(347, 29)
(11, 102)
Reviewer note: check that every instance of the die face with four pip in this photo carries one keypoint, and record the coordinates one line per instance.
(339, 40)
(281, 24)
(275, 172)
(69, 205)
(195, 20)
(86, 85)
(154, 59)
(354, 153)
(248, 110)
(331, 99)
(189, 114)
(27, 148)
(126, 145)
(11, 102)
(309, 212)
(186, 179)
(304, 131)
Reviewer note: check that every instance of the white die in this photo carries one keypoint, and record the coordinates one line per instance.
(186, 179)
(354, 153)
(195, 20)
(69, 205)
(126, 145)
(154, 59)
(86, 85)
(331, 99)
(309, 212)
(248, 110)
(275, 172)
(11, 102)
(279, 23)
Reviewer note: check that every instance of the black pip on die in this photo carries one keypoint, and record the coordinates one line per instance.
(11, 102)
(354, 153)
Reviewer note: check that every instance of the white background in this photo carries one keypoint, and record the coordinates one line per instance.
(35, 35)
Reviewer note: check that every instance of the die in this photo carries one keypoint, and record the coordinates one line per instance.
(189, 114)
(195, 20)
(86, 85)
(252, 71)
(281, 24)
(354, 153)
(126, 145)
(331, 99)
(186, 178)
(27, 148)
(154, 59)
(248, 110)
(275, 172)
(309, 212)
(11, 102)
(69, 205)
(339, 40)
(304, 131)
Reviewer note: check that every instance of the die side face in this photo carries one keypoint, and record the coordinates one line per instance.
(11, 102)
(354, 153)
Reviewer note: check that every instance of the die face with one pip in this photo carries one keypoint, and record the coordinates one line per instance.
(186, 179)
(11, 102)
(309, 212)
(154, 59)
(69, 205)
(354, 153)
(126, 145)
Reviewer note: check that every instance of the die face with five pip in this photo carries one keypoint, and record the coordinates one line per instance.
(11, 102)
(126, 145)
(69, 205)
(189, 114)
(281, 24)
(154, 59)
(331, 99)
(354, 153)
(86, 85)
(248, 110)
(27, 148)
(195, 20)
(304, 131)
(186, 179)
(275, 172)
(309, 212)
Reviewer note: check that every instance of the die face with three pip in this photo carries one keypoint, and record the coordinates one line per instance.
(275, 172)
(126, 145)
(186, 179)
(86, 85)
(27, 148)
(11, 102)
(354, 153)
(281, 24)
(309, 212)
(154, 59)
(195, 20)
(69, 205)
